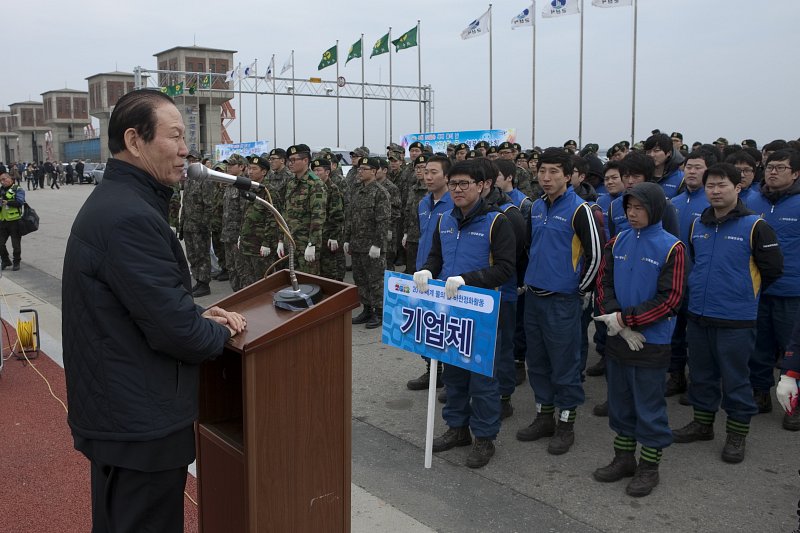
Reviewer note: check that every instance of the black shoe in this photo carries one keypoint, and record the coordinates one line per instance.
(791, 422)
(733, 452)
(482, 451)
(601, 409)
(644, 480)
(15, 266)
(4, 265)
(543, 426)
(676, 384)
(597, 369)
(763, 401)
(563, 439)
(423, 382)
(622, 465)
(693, 431)
(520, 373)
(363, 317)
(452, 438)
(376, 319)
(201, 289)
(223, 275)
(506, 409)
(442, 396)
(683, 399)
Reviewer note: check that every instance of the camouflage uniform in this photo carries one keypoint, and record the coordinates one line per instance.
(397, 206)
(197, 200)
(415, 195)
(175, 206)
(332, 264)
(259, 228)
(276, 181)
(216, 226)
(367, 225)
(233, 205)
(305, 204)
(527, 184)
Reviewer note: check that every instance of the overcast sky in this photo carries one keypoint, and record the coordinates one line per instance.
(707, 68)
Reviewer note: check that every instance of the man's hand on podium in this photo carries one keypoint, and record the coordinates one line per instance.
(235, 322)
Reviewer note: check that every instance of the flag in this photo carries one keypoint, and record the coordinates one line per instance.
(288, 64)
(557, 8)
(205, 81)
(193, 87)
(229, 74)
(612, 3)
(407, 40)
(249, 70)
(270, 70)
(329, 57)
(478, 27)
(381, 46)
(175, 89)
(355, 51)
(523, 19)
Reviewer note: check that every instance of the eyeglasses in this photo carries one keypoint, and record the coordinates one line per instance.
(365, 169)
(746, 170)
(295, 159)
(274, 158)
(776, 168)
(461, 185)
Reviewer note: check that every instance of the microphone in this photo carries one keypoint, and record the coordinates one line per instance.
(200, 171)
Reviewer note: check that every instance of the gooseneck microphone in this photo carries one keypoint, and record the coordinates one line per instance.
(200, 171)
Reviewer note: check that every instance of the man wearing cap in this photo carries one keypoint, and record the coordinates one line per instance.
(462, 149)
(524, 182)
(198, 197)
(677, 139)
(668, 161)
(332, 261)
(721, 142)
(522, 161)
(396, 167)
(395, 200)
(278, 174)
(571, 146)
(482, 146)
(491, 153)
(411, 232)
(215, 226)
(352, 180)
(617, 152)
(365, 233)
(233, 204)
(259, 231)
(304, 203)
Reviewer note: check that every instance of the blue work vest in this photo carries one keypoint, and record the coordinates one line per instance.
(784, 218)
(466, 249)
(428, 215)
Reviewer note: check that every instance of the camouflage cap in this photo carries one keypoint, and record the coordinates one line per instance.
(237, 159)
(219, 165)
(394, 147)
(383, 162)
(394, 156)
(428, 149)
(451, 146)
(722, 140)
(361, 151)
(193, 154)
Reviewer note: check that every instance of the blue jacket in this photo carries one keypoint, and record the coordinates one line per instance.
(604, 201)
(428, 214)
(782, 213)
(618, 221)
(690, 205)
(750, 193)
(671, 183)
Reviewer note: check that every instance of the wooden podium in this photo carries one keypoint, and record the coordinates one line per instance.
(274, 429)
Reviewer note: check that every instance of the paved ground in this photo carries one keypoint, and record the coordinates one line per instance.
(523, 488)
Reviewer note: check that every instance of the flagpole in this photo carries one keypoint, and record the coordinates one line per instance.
(239, 75)
(255, 72)
(274, 107)
(533, 75)
(633, 98)
(337, 93)
(580, 90)
(208, 110)
(419, 78)
(389, 46)
(363, 134)
(491, 100)
(294, 90)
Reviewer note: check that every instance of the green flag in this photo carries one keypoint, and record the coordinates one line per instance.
(354, 52)
(381, 46)
(407, 40)
(328, 58)
(205, 81)
(173, 90)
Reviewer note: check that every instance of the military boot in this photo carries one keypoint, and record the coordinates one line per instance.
(791, 422)
(644, 480)
(200, 289)
(601, 409)
(422, 382)
(482, 451)
(676, 384)
(693, 431)
(622, 465)
(563, 439)
(543, 426)
(376, 319)
(364, 316)
(452, 438)
(733, 451)
(597, 369)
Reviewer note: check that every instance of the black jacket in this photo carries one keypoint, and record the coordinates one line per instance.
(132, 335)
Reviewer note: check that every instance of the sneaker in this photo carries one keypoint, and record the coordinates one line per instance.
(506, 409)
(223, 275)
(601, 409)
(676, 384)
(452, 438)
(563, 439)
(376, 320)
(644, 480)
(442, 396)
(363, 317)
(543, 426)
(520, 373)
(763, 401)
(693, 431)
(200, 288)
(791, 422)
(597, 369)
(733, 452)
(622, 465)
(482, 451)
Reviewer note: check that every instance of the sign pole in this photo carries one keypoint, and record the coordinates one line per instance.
(431, 413)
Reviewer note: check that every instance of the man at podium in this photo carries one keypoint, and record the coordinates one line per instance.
(133, 337)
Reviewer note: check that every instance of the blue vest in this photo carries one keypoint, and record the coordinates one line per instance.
(725, 282)
(517, 196)
(604, 201)
(556, 255)
(639, 256)
(616, 213)
(784, 218)
(467, 249)
(749, 194)
(690, 205)
(428, 215)
(671, 183)
(508, 290)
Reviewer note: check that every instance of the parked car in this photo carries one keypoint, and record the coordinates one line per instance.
(87, 172)
(97, 173)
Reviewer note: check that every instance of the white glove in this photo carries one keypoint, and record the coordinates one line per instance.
(238, 243)
(451, 286)
(587, 301)
(421, 280)
(389, 235)
(264, 251)
(279, 250)
(346, 247)
(311, 253)
(612, 322)
(785, 391)
(333, 245)
(405, 236)
(634, 339)
(374, 252)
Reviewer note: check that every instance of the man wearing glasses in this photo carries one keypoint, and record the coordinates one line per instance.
(474, 245)
(278, 174)
(745, 164)
(779, 205)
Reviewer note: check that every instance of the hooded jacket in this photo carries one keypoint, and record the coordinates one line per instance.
(672, 178)
(642, 276)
